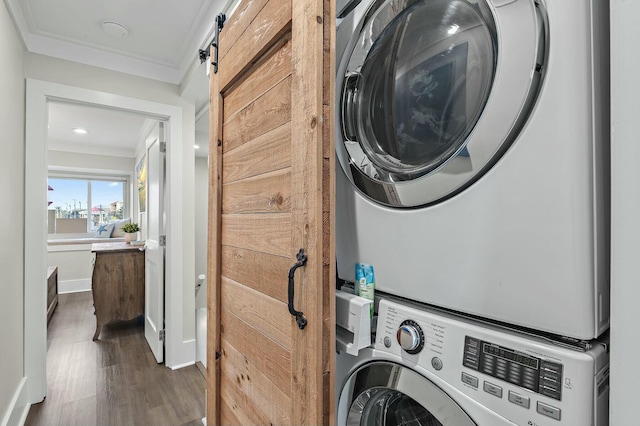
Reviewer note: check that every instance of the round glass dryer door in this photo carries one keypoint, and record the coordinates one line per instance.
(433, 92)
(384, 393)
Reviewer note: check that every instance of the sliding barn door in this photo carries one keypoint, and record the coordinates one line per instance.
(271, 196)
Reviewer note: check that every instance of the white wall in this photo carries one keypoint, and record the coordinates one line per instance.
(625, 247)
(201, 212)
(62, 159)
(12, 187)
(74, 266)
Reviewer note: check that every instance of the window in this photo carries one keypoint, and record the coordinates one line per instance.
(81, 204)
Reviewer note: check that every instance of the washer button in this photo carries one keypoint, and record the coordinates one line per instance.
(470, 380)
(494, 390)
(518, 399)
(548, 410)
(436, 363)
(387, 342)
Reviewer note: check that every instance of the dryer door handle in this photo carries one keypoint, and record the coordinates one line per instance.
(302, 260)
(348, 107)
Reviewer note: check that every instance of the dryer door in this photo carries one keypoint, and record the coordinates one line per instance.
(433, 92)
(385, 393)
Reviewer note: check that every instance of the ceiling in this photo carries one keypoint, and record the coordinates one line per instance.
(109, 131)
(162, 42)
(103, 137)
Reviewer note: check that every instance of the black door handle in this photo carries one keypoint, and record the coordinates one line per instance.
(302, 260)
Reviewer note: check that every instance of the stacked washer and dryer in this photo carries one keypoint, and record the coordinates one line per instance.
(473, 139)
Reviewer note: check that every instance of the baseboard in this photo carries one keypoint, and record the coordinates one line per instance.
(74, 286)
(185, 355)
(18, 407)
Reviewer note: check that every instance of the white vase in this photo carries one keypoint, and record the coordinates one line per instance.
(130, 236)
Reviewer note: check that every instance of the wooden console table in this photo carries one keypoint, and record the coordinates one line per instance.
(52, 290)
(117, 283)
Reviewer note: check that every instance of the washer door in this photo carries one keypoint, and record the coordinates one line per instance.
(433, 92)
(384, 393)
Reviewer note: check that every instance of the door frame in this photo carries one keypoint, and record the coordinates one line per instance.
(38, 93)
(154, 324)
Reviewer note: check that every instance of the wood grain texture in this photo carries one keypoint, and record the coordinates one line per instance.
(238, 23)
(329, 211)
(306, 176)
(270, 24)
(117, 284)
(213, 252)
(52, 290)
(268, 233)
(227, 416)
(267, 193)
(264, 76)
(241, 265)
(257, 310)
(240, 404)
(271, 95)
(266, 153)
(271, 400)
(111, 381)
(267, 112)
(268, 356)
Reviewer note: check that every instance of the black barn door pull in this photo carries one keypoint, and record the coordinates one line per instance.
(302, 260)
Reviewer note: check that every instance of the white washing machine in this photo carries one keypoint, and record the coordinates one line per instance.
(430, 368)
(473, 141)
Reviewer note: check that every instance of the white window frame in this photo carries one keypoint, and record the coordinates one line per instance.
(114, 176)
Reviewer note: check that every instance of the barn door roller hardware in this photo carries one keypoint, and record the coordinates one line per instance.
(206, 53)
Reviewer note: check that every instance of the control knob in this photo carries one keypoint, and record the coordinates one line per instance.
(410, 337)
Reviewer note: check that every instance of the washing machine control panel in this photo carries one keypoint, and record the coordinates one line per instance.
(535, 374)
(519, 378)
(410, 337)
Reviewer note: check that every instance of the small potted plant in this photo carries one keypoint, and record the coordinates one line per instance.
(130, 231)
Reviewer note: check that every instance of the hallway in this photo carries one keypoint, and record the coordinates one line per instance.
(114, 380)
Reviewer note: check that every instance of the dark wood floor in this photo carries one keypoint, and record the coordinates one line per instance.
(114, 380)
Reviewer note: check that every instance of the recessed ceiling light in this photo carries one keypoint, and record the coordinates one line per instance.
(196, 146)
(80, 131)
(115, 29)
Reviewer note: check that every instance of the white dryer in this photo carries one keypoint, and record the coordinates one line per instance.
(473, 143)
(430, 368)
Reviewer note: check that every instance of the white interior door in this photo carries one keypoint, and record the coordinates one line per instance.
(154, 264)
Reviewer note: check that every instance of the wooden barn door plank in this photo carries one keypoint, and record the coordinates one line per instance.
(271, 194)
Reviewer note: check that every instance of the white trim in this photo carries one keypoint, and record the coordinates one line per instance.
(35, 235)
(74, 286)
(102, 58)
(38, 94)
(190, 61)
(121, 61)
(188, 347)
(179, 352)
(178, 73)
(73, 246)
(88, 149)
(18, 18)
(18, 409)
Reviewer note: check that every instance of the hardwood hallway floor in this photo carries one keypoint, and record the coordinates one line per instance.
(114, 381)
